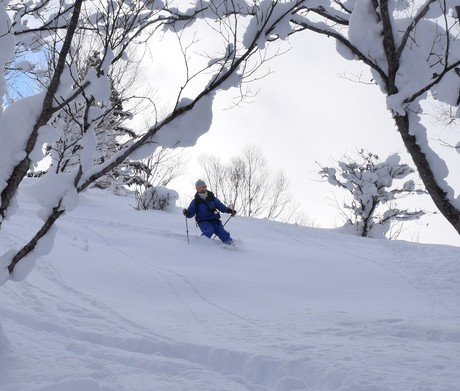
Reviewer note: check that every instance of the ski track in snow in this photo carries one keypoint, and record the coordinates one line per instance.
(177, 320)
(166, 273)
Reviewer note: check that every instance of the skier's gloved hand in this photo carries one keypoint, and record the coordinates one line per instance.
(185, 212)
(232, 211)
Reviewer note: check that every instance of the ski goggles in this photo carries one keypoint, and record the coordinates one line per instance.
(201, 187)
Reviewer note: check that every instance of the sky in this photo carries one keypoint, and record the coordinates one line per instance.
(311, 109)
(124, 303)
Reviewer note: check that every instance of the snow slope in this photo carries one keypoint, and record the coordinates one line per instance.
(123, 303)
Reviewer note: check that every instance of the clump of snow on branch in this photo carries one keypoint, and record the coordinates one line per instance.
(66, 82)
(99, 86)
(56, 189)
(5, 260)
(144, 151)
(271, 21)
(88, 142)
(365, 32)
(7, 45)
(46, 135)
(437, 164)
(209, 10)
(448, 88)
(43, 247)
(186, 128)
(234, 80)
(17, 122)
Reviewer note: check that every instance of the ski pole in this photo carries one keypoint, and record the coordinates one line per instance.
(223, 226)
(186, 228)
(231, 215)
(227, 220)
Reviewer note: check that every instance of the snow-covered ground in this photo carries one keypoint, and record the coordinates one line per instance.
(124, 303)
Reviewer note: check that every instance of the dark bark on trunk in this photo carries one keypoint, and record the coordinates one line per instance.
(437, 194)
(57, 212)
(21, 169)
(47, 111)
(367, 221)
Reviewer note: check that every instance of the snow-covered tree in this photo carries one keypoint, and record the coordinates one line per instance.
(158, 198)
(412, 49)
(72, 122)
(372, 209)
(110, 127)
(150, 177)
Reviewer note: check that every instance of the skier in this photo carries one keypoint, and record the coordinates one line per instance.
(205, 207)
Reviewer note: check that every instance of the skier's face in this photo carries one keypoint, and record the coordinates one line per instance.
(201, 189)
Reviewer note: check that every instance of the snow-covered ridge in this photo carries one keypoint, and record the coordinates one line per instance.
(123, 303)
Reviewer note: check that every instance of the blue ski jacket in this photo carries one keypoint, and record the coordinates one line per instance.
(206, 209)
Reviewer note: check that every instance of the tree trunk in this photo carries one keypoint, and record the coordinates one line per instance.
(21, 168)
(438, 195)
(29, 247)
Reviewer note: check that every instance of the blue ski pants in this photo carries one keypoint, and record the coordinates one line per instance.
(211, 227)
